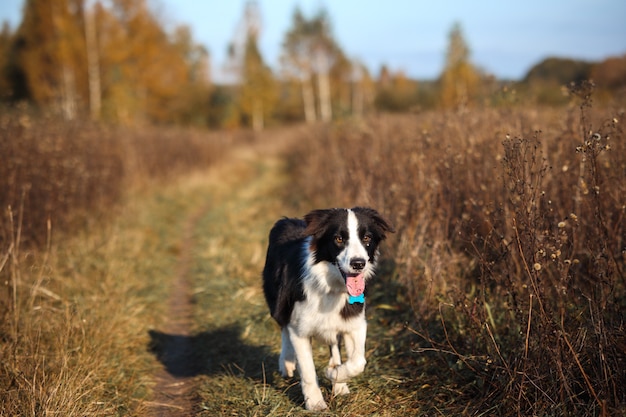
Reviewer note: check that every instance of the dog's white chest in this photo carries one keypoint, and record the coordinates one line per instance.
(320, 317)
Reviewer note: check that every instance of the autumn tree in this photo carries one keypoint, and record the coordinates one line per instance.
(324, 54)
(113, 57)
(6, 39)
(309, 54)
(297, 64)
(258, 91)
(256, 95)
(396, 92)
(546, 81)
(363, 88)
(143, 70)
(610, 73)
(93, 61)
(50, 54)
(340, 85)
(190, 105)
(460, 80)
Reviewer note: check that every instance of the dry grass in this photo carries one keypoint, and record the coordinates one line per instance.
(511, 248)
(79, 293)
(502, 293)
(73, 339)
(81, 315)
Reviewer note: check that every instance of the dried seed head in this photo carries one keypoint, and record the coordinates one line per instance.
(537, 266)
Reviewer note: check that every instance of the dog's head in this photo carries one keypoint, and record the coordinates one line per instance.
(347, 239)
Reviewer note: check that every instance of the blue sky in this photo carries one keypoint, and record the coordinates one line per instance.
(506, 38)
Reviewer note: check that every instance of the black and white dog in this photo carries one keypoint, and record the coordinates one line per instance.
(314, 281)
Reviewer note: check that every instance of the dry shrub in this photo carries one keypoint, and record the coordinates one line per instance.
(511, 246)
(70, 173)
(55, 171)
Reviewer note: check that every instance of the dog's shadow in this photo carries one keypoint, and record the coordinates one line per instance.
(219, 351)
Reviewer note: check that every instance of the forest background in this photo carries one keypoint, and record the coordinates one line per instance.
(118, 62)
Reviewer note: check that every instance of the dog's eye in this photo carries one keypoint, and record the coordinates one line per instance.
(338, 239)
(367, 239)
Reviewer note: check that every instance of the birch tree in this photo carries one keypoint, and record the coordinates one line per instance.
(363, 89)
(257, 89)
(93, 61)
(112, 57)
(296, 62)
(50, 53)
(309, 54)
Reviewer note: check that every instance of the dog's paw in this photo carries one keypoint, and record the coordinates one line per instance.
(287, 369)
(313, 398)
(315, 402)
(331, 373)
(340, 388)
(345, 371)
(336, 374)
(312, 405)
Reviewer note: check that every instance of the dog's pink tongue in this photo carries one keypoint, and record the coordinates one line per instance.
(356, 285)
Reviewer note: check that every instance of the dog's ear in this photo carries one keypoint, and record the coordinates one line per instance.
(384, 224)
(316, 222)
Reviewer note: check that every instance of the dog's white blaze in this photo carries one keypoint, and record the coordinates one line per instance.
(355, 248)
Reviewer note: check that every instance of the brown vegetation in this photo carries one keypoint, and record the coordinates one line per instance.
(511, 247)
(70, 172)
(508, 265)
(69, 271)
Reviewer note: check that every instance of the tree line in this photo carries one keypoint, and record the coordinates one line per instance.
(115, 61)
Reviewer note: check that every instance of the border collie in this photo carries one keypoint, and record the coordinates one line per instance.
(314, 282)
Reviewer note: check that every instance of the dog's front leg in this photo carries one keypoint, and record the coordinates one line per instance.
(339, 388)
(287, 359)
(355, 356)
(313, 399)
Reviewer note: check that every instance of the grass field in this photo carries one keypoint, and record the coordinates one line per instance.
(503, 292)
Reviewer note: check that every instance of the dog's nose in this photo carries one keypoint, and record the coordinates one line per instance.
(357, 264)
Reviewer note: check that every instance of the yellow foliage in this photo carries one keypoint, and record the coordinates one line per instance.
(460, 80)
(459, 85)
(142, 70)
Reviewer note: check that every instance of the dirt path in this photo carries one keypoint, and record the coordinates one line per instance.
(176, 344)
(174, 389)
